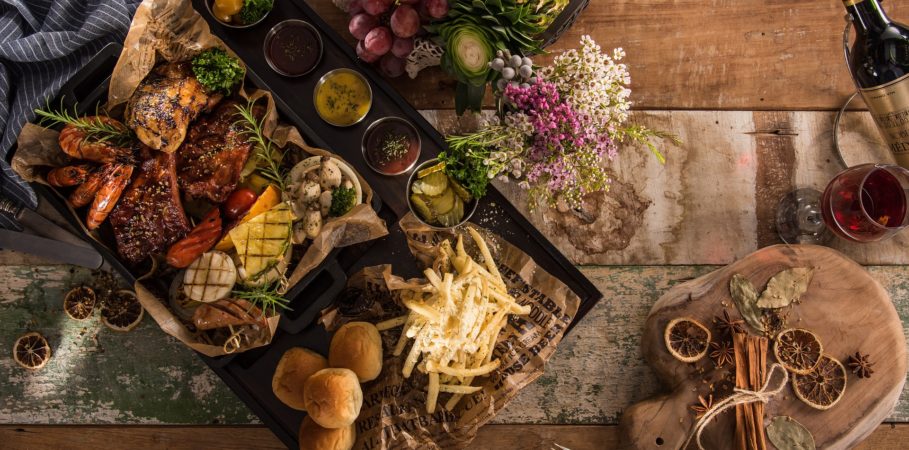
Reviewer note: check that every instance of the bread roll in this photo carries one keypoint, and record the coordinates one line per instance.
(315, 437)
(293, 370)
(357, 346)
(333, 398)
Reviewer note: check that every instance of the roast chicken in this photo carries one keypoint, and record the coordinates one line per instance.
(149, 217)
(165, 103)
(215, 150)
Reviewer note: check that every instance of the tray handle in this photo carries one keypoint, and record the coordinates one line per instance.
(324, 288)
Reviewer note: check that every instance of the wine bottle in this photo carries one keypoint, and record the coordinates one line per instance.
(879, 62)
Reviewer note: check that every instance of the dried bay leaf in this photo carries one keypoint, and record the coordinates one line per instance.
(787, 434)
(745, 297)
(785, 287)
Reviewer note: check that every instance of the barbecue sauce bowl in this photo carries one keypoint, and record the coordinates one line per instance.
(293, 48)
(391, 146)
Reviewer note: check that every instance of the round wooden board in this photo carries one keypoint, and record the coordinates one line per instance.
(844, 306)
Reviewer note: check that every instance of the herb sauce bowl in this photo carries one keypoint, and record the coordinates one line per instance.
(373, 141)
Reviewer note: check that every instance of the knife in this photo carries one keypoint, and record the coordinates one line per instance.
(64, 252)
(39, 224)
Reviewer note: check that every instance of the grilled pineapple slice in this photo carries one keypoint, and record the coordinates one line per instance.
(262, 241)
(210, 277)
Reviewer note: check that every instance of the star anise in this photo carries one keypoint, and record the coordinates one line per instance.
(701, 408)
(727, 325)
(860, 365)
(722, 353)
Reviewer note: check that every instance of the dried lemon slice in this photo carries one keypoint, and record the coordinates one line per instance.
(686, 339)
(822, 387)
(79, 303)
(31, 351)
(122, 311)
(798, 350)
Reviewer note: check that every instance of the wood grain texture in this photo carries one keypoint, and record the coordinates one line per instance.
(829, 308)
(715, 198)
(743, 54)
(529, 437)
(145, 377)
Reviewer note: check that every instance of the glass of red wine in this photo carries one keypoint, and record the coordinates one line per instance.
(865, 203)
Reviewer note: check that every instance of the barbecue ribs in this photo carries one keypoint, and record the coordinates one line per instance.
(215, 150)
(149, 216)
(164, 104)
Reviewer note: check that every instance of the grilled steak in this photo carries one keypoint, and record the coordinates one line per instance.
(149, 216)
(164, 104)
(214, 152)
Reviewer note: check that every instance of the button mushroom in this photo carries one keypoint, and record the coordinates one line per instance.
(309, 192)
(325, 203)
(329, 174)
(312, 223)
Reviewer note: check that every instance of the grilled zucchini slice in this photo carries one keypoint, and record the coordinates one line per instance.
(262, 241)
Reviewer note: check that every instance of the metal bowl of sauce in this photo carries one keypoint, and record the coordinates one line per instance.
(391, 146)
(342, 97)
(293, 48)
(233, 6)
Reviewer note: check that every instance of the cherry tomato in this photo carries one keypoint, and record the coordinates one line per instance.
(238, 202)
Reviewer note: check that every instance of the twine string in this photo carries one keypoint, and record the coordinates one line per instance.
(739, 397)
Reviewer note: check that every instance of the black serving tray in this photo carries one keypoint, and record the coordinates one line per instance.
(249, 374)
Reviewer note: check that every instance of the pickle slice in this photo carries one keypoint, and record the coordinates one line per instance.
(441, 204)
(459, 189)
(421, 208)
(453, 217)
(430, 170)
(433, 184)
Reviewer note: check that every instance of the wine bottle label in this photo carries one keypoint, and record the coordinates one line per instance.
(889, 106)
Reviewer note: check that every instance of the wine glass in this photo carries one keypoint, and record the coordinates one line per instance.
(865, 203)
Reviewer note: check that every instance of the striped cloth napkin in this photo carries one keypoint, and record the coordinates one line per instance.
(42, 44)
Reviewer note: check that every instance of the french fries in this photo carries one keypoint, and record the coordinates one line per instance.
(454, 322)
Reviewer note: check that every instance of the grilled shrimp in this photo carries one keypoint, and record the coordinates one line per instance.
(77, 144)
(112, 187)
(68, 176)
(86, 191)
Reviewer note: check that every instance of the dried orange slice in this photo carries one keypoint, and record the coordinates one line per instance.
(79, 303)
(798, 350)
(686, 339)
(31, 351)
(122, 311)
(822, 387)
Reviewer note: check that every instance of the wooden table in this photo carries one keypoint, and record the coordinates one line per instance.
(751, 88)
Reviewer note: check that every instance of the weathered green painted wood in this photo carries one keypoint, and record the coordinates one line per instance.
(145, 377)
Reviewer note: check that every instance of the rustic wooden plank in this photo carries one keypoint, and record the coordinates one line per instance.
(542, 437)
(145, 377)
(715, 199)
(754, 55)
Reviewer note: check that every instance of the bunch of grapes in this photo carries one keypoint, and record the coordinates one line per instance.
(385, 29)
(514, 69)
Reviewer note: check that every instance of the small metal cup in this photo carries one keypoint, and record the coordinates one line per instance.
(469, 209)
(283, 24)
(208, 5)
(372, 127)
(325, 78)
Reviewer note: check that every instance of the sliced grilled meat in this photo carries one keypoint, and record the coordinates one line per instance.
(164, 104)
(214, 152)
(149, 216)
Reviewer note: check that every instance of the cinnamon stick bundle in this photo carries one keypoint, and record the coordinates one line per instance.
(750, 371)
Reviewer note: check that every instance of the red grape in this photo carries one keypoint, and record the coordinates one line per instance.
(391, 66)
(437, 9)
(405, 22)
(355, 7)
(376, 7)
(408, 2)
(361, 24)
(364, 54)
(402, 47)
(378, 41)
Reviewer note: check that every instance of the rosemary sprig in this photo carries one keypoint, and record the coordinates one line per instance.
(94, 128)
(266, 297)
(268, 162)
